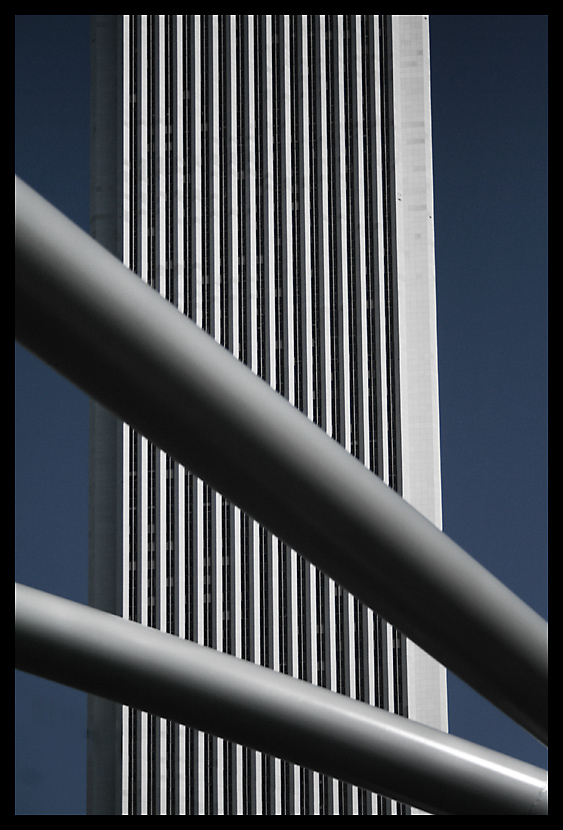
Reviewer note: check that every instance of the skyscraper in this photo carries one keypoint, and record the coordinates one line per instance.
(271, 176)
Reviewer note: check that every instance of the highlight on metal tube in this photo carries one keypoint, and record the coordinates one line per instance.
(274, 713)
(80, 310)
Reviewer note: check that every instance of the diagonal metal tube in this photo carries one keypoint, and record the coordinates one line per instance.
(222, 695)
(81, 311)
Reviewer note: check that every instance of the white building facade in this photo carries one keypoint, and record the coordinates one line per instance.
(271, 176)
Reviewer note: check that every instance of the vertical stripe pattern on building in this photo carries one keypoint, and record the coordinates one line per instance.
(256, 178)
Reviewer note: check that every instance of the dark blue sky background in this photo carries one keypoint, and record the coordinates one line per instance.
(489, 96)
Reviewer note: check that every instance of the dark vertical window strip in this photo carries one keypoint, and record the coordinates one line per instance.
(133, 715)
(280, 207)
(170, 264)
(243, 182)
(265, 597)
(334, 247)
(260, 103)
(249, 781)
(352, 228)
(190, 611)
(345, 798)
(285, 621)
(152, 63)
(303, 619)
(400, 673)
(306, 791)
(246, 588)
(133, 528)
(225, 178)
(192, 772)
(267, 785)
(295, 69)
(188, 163)
(171, 604)
(152, 591)
(228, 583)
(134, 766)
(209, 634)
(360, 642)
(382, 694)
(342, 649)
(206, 171)
(229, 779)
(287, 775)
(315, 219)
(210, 774)
(325, 795)
(370, 190)
(172, 769)
(133, 263)
(323, 623)
(390, 277)
(153, 765)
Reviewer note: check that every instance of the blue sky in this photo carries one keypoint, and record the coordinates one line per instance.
(489, 97)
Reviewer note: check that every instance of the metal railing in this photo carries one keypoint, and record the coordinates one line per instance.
(84, 313)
